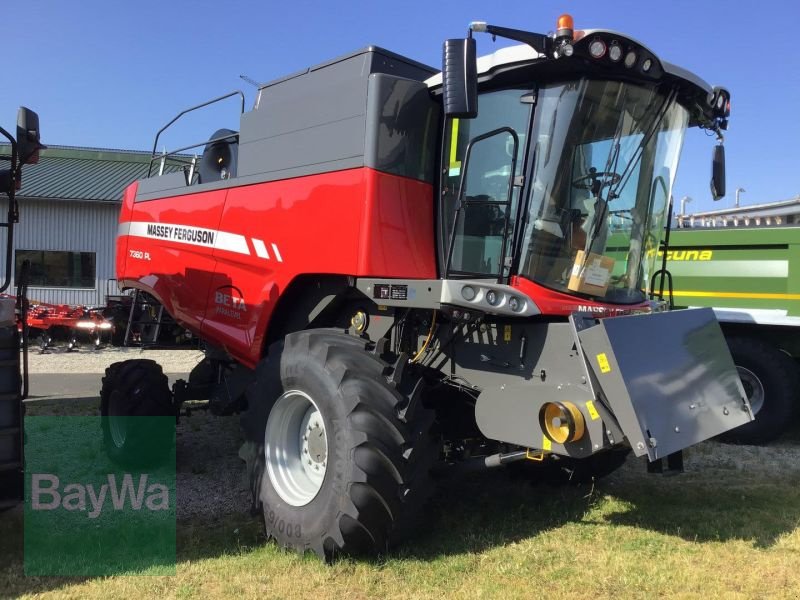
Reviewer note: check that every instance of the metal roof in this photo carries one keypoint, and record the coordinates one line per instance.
(89, 174)
(781, 207)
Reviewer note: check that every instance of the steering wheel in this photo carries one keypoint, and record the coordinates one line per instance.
(596, 180)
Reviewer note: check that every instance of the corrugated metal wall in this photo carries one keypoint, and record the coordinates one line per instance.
(66, 225)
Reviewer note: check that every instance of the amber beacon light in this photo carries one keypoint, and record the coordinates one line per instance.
(565, 26)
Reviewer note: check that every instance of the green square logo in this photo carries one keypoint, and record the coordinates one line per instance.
(95, 503)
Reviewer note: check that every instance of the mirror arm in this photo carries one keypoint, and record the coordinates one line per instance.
(539, 42)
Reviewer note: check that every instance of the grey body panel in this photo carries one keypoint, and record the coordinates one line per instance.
(684, 391)
(310, 120)
(433, 293)
(520, 365)
(369, 108)
(404, 293)
(402, 127)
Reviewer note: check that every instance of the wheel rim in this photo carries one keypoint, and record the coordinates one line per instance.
(116, 421)
(753, 388)
(296, 448)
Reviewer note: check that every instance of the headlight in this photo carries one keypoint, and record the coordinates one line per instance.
(597, 48)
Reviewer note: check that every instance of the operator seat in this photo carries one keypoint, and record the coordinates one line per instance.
(219, 158)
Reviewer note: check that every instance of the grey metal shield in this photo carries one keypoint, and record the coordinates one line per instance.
(668, 377)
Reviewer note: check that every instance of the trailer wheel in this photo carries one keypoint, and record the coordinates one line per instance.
(136, 388)
(771, 381)
(337, 469)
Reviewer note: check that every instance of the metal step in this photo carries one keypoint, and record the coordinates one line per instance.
(139, 300)
(11, 503)
(10, 466)
(9, 431)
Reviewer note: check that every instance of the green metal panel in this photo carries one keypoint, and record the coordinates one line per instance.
(755, 268)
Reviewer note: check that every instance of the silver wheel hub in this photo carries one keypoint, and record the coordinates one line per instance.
(753, 388)
(296, 448)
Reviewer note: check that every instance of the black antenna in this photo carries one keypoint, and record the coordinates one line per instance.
(250, 80)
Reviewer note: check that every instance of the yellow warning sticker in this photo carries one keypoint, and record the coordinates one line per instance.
(592, 411)
(455, 164)
(602, 360)
(507, 333)
(546, 443)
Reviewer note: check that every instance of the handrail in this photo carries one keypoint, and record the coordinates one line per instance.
(183, 112)
(203, 143)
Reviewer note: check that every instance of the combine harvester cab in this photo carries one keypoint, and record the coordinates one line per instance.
(398, 271)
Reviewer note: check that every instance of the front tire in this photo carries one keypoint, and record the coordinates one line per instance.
(771, 382)
(132, 391)
(342, 451)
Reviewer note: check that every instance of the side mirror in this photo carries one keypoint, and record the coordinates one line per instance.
(718, 172)
(460, 79)
(28, 144)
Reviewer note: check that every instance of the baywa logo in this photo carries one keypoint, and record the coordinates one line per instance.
(89, 515)
(47, 494)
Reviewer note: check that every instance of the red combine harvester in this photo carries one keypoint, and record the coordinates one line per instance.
(398, 271)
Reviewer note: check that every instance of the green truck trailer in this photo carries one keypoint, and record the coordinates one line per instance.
(750, 276)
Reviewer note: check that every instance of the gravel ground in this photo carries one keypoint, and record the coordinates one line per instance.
(211, 476)
(58, 360)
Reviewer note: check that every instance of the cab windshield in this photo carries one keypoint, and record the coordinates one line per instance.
(605, 155)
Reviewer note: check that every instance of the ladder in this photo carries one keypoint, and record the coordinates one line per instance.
(145, 319)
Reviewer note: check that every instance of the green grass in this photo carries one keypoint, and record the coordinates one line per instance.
(723, 534)
(496, 538)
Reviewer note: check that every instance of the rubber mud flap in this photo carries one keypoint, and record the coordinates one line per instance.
(668, 378)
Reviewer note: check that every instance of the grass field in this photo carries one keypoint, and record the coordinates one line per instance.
(726, 529)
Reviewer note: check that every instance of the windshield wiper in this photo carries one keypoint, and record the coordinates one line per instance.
(601, 211)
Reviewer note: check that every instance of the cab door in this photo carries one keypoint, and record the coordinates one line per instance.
(482, 159)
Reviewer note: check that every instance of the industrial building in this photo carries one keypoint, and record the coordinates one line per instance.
(68, 205)
(768, 214)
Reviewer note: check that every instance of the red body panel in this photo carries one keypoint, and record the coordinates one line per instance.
(554, 303)
(358, 222)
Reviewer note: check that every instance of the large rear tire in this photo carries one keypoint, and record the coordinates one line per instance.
(137, 388)
(771, 381)
(342, 453)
